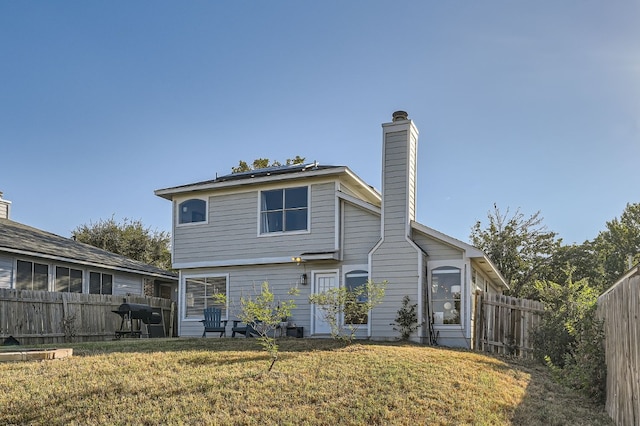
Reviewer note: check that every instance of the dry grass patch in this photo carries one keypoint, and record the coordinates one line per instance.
(315, 382)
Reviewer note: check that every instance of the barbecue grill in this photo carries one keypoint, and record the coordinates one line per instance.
(133, 315)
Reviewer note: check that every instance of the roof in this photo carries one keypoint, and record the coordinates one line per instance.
(271, 174)
(21, 239)
(472, 252)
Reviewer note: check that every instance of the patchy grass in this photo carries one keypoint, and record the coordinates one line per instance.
(315, 382)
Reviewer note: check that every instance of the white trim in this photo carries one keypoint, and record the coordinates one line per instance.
(169, 193)
(336, 272)
(351, 268)
(183, 289)
(300, 231)
(181, 200)
(464, 291)
(83, 263)
(359, 203)
(232, 262)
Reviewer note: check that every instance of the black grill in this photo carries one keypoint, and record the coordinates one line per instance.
(133, 314)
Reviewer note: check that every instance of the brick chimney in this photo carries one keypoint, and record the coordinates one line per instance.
(5, 207)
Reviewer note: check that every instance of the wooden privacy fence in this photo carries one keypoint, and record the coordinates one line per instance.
(505, 325)
(41, 317)
(619, 307)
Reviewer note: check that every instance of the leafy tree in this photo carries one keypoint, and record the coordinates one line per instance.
(129, 238)
(587, 263)
(264, 313)
(262, 163)
(520, 247)
(345, 310)
(619, 244)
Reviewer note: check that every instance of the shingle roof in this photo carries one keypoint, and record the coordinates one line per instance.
(22, 239)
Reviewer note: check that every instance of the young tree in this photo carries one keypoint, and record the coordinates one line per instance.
(262, 163)
(520, 247)
(264, 314)
(129, 238)
(345, 310)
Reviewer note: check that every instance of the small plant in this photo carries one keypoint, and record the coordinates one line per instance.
(406, 321)
(345, 310)
(264, 313)
(70, 327)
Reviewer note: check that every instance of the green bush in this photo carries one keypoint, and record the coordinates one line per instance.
(570, 338)
(406, 321)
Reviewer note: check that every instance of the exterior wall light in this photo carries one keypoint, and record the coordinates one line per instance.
(303, 279)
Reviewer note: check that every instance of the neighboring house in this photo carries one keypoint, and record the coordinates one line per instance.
(315, 227)
(32, 259)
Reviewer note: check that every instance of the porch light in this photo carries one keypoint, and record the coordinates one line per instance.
(303, 279)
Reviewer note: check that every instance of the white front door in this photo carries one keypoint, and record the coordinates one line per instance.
(322, 281)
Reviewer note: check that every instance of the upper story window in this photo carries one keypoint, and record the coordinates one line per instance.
(284, 210)
(192, 211)
(32, 276)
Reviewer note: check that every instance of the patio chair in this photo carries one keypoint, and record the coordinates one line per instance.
(246, 329)
(213, 322)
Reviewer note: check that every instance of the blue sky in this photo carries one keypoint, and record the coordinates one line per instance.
(530, 105)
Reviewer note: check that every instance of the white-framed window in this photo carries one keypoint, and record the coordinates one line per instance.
(68, 280)
(446, 294)
(100, 283)
(352, 280)
(193, 210)
(284, 210)
(200, 291)
(32, 275)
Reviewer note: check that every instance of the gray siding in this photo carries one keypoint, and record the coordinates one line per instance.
(395, 197)
(232, 231)
(397, 262)
(436, 249)
(6, 272)
(247, 280)
(361, 233)
(127, 283)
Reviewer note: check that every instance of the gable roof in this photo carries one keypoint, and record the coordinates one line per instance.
(20, 239)
(274, 174)
(472, 252)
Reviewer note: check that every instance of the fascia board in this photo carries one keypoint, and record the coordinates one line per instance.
(85, 263)
(168, 193)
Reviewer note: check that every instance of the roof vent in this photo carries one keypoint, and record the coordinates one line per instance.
(400, 115)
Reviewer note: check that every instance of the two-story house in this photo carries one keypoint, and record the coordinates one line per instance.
(314, 227)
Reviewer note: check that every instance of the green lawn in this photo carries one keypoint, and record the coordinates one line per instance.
(315, 382)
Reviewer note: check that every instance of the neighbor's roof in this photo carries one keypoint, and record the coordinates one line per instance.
(24, 240)
(271, 174)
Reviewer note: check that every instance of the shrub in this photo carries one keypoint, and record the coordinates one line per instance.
(346, 310)
(570, 338)
(406, 319)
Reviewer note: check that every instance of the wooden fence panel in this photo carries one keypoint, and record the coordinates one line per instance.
(504, 325)
(619, 307)
(41, 317)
